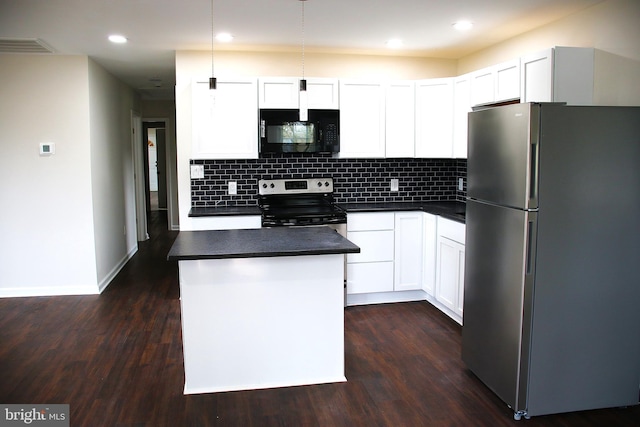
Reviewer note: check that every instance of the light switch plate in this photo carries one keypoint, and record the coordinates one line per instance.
(197, 171)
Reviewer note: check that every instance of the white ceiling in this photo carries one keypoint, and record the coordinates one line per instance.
(157, 28)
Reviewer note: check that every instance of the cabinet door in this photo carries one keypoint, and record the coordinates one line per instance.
(400, 119)
(461, 110)
(507, 80)
(434, 118)
(362, 119)
(449, 271)
(323, 94)
(573, 75)
(408, 255)
(482, 86)
(429, 240)
(536, 71)
(279, 92)
(460, 304)
(225, 121)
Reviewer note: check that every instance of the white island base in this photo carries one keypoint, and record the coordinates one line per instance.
(253, 323)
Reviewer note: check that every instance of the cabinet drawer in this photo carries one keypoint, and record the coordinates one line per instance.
(452, 230)
(374, 246)
(370, 277)
(370, 221)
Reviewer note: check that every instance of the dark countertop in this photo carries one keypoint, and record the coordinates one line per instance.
(259, 242)
(450, 210)
(225, 211)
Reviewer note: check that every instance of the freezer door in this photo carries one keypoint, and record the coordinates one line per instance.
(503, 155)
(499, 270)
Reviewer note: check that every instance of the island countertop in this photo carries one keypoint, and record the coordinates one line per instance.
(259, 242)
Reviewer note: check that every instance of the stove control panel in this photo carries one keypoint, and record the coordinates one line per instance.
(295, 186)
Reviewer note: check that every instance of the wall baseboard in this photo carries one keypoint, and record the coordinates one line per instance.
(42, 291)
(114, 272)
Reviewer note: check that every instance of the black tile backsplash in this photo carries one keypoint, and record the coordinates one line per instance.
(355, 180)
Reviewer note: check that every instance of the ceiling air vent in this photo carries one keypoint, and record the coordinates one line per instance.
(24, 46)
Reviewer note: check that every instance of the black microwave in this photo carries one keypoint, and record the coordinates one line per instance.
(281, 131)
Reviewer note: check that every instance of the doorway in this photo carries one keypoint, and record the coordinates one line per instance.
(155, 166)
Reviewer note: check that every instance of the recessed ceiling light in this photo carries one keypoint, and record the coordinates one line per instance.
(117, 38)
(224, 37)
(463, 25)
(394, 43)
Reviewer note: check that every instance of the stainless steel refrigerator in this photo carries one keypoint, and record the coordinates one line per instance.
(551, 315)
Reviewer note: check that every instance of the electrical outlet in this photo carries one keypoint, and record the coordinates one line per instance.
(197, 171)
(394, 184)
(461, 184)
(233, 187)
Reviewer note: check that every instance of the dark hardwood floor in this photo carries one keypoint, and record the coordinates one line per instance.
(116, 359)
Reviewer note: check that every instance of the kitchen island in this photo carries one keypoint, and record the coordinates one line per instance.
(261, 308)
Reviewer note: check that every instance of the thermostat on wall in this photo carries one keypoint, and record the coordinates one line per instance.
(47, 148)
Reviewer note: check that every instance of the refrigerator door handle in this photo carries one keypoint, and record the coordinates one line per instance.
(530, 243)
(529, 260)
(533, 175)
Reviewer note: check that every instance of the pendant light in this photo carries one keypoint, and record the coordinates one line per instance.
(302, 100)
(213, 82)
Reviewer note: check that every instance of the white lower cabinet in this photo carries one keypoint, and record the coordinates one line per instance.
(429, 225)
(450, 267)
(390, 258)
(406, 256)
(408, 251)
(371, 270)
(222, 222)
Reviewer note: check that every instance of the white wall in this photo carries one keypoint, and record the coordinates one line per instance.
(46, 216)
(112, 175)
(56, 212)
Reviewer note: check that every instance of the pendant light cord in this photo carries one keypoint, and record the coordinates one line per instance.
(212, 38)
(303, 2)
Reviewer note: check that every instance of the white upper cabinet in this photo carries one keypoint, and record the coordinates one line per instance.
(507, 80)
(482, 86)
(279, 92)
(362, 119)
(434, 118)
(560, 74)
(461, 110)
(400, 119)
(284, 92)
(225, 121)
(500, 82)
(323, 94)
